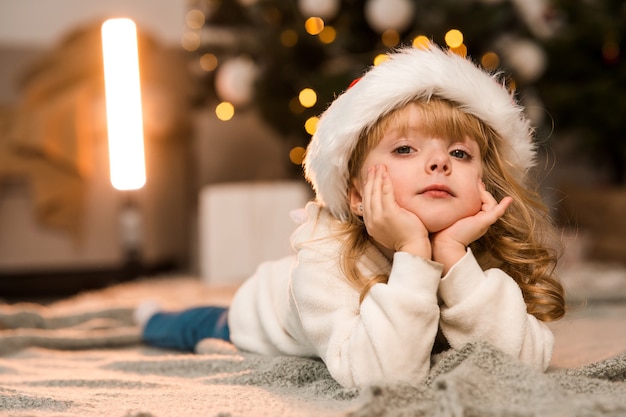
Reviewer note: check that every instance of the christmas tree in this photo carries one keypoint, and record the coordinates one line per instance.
(289, 58)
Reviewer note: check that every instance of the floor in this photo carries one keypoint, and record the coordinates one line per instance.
(594, 327)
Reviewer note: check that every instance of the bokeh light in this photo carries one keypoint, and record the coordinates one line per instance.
(208, 62)
(490, 60)
(311, 125)
(225, 111)
(460, 50)
(328, 35)
(195, 19)
(307, 97)
(296, 155)
(190, 41)
(314, 25)
(390, 38)
(421, 41)
(380, 58)
(454, 38)
(289, 38)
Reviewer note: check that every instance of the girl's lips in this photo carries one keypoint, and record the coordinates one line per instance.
(437, 190)
(436, 193)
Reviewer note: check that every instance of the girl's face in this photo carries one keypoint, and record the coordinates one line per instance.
(434, 177)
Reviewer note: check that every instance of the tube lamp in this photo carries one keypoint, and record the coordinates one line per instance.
(123, 104)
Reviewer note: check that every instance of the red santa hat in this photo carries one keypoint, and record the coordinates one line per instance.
(409, 74)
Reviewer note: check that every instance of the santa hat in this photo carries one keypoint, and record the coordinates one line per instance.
(409, 74)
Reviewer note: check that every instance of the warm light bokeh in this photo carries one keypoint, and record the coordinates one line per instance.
(390, 38)
(190, 41)
(208, 62)
(225, 111)
(490, 60)
(380, 58)
(296, 155)
(311, 125)
(421, 41)
(307, 97)
(328, 35)
(289, 38)
(195, 19)
(454, 38)
(123, 104)
(314, 25)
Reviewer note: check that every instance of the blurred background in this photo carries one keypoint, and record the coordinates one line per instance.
(231, 91)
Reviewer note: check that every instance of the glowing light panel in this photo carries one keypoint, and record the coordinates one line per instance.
(123, 104)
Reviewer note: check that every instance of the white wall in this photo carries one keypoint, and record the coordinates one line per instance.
(42, 23)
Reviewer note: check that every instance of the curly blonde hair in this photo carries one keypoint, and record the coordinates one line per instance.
(523, 242)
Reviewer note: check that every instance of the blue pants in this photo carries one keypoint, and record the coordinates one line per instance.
(183, 330)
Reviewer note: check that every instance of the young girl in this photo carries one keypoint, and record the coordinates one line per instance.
(424, 234)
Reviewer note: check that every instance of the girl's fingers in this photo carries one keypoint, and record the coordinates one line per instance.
(387, 197)
(498, 210)
(491, 205)
(488, 200)
(375, 200)
(503, 205)
(367, 192)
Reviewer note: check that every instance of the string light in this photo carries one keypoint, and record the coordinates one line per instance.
(123, 104)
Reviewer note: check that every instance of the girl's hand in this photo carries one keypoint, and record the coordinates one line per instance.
(390, 225)
(449, 245)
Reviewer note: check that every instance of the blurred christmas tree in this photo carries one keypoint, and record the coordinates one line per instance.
(289, 58)
(583, 87)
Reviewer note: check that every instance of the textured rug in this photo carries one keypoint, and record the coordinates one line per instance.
(82, 357)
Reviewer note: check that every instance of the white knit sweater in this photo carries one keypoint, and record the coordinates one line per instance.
(303, 305)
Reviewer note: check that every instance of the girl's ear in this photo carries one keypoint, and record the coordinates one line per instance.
(356, 200)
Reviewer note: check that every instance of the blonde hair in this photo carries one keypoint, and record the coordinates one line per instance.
(523, 242)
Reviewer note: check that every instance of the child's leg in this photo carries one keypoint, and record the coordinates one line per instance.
(183, 330)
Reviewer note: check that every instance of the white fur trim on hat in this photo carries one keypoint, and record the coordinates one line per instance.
(409, 74)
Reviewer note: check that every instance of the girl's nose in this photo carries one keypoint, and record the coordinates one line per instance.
(439, 161)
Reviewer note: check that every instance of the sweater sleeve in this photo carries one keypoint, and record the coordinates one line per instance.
(389, 336)
(488, 305)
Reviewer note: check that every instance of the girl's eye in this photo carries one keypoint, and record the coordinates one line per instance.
(460, 154)
(403, 150)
